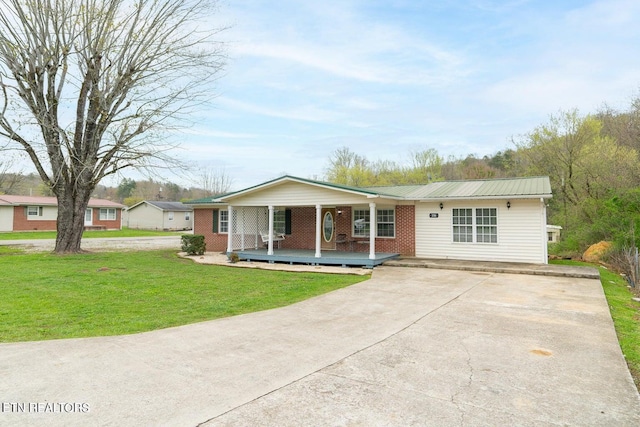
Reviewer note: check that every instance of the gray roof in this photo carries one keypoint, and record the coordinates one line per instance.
(170, 206)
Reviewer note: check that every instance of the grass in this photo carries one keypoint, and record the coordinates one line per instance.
(47, 296)
(125, 232)
(625, 314)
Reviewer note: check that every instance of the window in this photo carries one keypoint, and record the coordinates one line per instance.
(385, 223)
(107, 214)
(224, 221)
(187, 216)
(486, 225)
(170, 216)
(33, 211)
(462, 225)
(361, 222)
(481, 228)
(279, 220)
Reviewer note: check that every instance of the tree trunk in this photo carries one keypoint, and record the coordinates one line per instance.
(72, 205)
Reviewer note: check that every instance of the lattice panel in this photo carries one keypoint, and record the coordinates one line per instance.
(247, 225)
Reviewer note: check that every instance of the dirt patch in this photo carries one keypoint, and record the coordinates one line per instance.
(596, 251)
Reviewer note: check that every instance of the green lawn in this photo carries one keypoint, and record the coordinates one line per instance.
(625, 314)
(125, 232)
(47, 296)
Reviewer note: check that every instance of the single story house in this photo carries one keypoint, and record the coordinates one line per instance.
(553, 233)
(278, 220)
(154, 215)
(26, 213)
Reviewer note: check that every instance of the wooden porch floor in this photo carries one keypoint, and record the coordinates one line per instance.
(301, 256)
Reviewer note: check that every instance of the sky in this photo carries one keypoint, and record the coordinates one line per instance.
(387, 78)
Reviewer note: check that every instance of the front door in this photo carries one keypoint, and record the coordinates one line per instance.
(328, 229)
(88, 217)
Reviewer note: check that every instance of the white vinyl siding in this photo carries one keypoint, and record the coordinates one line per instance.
(520, 231)
(291, 194)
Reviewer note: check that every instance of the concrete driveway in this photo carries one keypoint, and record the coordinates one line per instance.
(411, 346)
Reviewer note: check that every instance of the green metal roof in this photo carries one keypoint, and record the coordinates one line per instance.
(538, 186)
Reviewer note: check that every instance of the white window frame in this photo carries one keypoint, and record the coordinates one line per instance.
(31, 212)
(476, 225)
(187, 216)
(382, 219)
(223, 221)
(381, 213)
(486, 225)
(171, 215)
(108, 214)
(279, 221)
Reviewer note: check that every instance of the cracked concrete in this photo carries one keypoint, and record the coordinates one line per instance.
(411, 346)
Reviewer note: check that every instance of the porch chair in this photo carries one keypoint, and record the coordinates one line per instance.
(342, 239)
(277, 237)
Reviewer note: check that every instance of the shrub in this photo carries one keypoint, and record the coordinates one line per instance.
(193, 244)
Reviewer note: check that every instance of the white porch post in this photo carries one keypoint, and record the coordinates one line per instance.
(270, 247)
(372, 230)
(318, 231)
(230, 230)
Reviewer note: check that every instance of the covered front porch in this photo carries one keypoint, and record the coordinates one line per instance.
(302, 256)
(317, 235)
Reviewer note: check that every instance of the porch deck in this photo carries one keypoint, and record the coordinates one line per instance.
(301, 256)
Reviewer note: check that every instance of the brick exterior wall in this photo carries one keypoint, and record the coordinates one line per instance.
(203, 225)
(303, 230)
(108, 224)
(21, 223)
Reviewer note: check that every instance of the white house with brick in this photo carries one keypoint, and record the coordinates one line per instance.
(484, 220)
(29, 213)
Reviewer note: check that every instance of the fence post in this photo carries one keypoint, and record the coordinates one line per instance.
(636, 269)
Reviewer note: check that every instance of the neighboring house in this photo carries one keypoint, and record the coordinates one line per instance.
(24, 213)
(553, 233)
(484, 220)
(152, 215)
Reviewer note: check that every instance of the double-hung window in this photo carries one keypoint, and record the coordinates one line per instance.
(107, 214)
(486, 225)
(385, 222)
(478, 225)
(224, 221)
(33, 211)
(279, 221)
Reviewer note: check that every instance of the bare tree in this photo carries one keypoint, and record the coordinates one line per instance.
(89, 87)
(9, 178)
(214, 181)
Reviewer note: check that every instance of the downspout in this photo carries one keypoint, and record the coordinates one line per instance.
(318, 231)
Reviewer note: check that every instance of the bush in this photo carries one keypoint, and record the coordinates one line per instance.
(193, 244)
